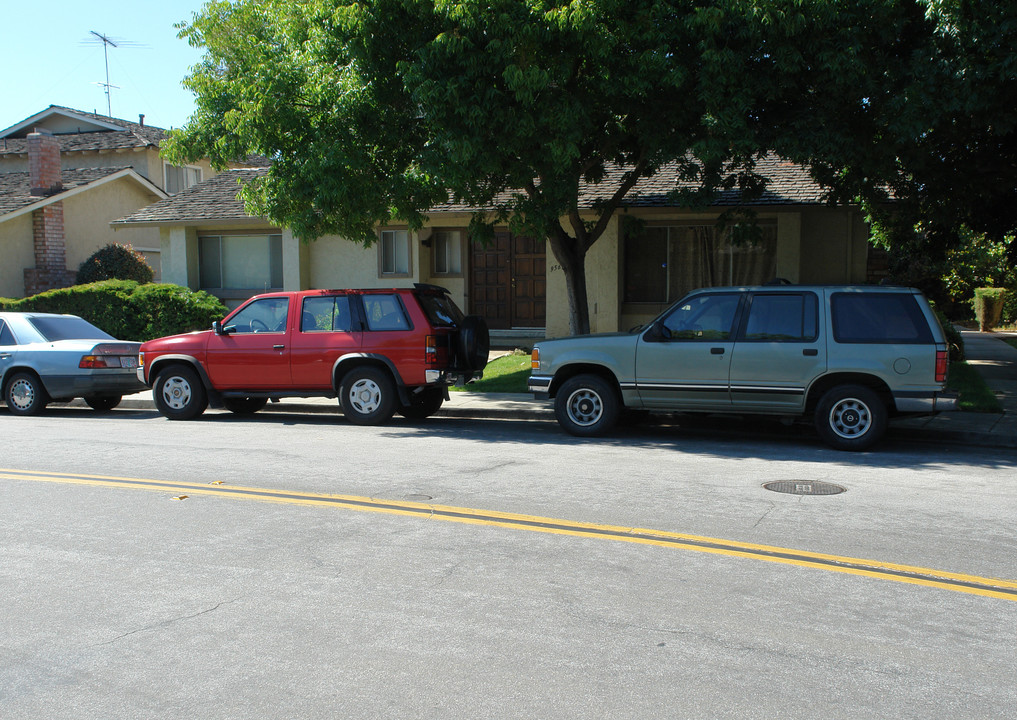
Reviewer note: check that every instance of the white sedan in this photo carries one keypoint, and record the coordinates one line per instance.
(46, 357)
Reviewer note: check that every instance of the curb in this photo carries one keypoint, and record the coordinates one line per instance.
(534, 412)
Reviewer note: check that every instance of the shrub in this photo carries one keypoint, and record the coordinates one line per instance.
(115, 262)
(954, 340)
(130, 311)
(988, 304)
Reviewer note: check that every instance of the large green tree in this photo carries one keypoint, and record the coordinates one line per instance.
(382, 109)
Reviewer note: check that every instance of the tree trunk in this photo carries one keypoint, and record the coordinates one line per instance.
(573, 263)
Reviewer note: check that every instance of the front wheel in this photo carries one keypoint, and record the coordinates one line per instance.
(586, 405)
(367, 396)
(179, 394)
(851, 417)
(25, 394)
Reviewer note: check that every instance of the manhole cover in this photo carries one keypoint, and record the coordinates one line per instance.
(804, 487)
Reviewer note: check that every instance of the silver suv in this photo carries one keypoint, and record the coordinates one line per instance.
(847, 357)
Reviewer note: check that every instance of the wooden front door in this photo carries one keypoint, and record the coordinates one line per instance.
(508, 285)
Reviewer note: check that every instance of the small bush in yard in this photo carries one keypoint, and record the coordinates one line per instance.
(130, 311)
(115, 262)
(988, 304)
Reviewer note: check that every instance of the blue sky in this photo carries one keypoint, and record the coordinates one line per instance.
(50, 60)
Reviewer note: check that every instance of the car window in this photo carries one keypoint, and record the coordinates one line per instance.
(703, 317)
(67, 327)
(326, 314)
(264, 315)
(878, 318)
(384, 312)
(441, 310)
(6, 336)
(790, 317)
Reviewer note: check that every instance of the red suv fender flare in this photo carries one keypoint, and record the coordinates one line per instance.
(152, 371)
(345, 363)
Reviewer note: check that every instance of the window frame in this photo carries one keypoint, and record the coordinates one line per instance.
(807, 297)
(242, 293)
(395, 272)
(168, 166)
(450, 273)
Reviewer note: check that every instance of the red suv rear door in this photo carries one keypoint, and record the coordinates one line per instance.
(327, 331)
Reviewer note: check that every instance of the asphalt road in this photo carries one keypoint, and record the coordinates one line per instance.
(468, 569)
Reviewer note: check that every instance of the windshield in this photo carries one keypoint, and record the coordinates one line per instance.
(67, 327)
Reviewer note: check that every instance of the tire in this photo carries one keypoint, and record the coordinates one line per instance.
(473, 343)
(586, 406)
(179, 394)
(367, 396)
(423, 404)
(244, 405)
(103, 403)
(851, 417)
(25, 394)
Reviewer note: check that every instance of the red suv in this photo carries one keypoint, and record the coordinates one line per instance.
(378, 351)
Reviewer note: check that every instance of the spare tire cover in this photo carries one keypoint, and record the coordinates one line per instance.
(473, 343)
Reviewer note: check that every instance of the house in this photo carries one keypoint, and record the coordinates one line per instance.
(652, 253)
(64, 175)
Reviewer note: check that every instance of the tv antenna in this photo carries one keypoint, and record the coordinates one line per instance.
(107, 43)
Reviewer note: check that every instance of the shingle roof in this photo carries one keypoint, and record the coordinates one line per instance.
(789, 184)
(15, 188)
(213, 199)
(132, 136)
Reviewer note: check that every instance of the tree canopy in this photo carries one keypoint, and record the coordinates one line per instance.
(379, 110)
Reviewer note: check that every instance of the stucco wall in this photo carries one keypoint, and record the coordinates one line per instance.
(16, 254)
(834, 246)
(87, 218)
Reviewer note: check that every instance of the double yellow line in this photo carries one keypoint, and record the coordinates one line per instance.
(972, 584)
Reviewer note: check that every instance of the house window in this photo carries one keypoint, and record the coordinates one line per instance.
(447, 248)
(240, 262)
(394, 250)
(180, 177)
(663, 263)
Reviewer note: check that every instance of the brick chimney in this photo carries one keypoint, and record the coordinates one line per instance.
(50, 245)
(44, 164)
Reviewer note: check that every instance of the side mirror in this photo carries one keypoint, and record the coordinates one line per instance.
(217, 327)
(653, 333)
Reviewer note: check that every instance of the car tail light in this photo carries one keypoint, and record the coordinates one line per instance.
(535, 359)
(99, 361)
(431, 350)
(942, 361)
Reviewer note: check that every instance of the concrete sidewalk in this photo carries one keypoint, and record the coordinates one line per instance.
(994, 359)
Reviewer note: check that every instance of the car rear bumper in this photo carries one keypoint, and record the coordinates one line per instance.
(925, 402)
(94, 383)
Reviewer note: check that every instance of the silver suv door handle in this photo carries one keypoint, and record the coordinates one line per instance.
(717, 351)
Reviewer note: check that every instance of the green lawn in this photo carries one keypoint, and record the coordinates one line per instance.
(506, 374)
(975, 395)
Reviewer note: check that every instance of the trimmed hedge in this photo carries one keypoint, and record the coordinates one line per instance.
(115, 262)
(128, 310)
(988, 304)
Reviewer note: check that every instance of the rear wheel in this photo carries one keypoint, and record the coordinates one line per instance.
(367, 396)
(179, 394)
(244, 405)
(25, 394)
(586, 405)
(423, 404)
(851, 417)
(103, 403)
